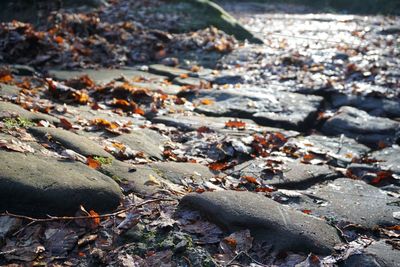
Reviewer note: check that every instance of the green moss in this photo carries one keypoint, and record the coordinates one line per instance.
(17, 122)
(103, 160)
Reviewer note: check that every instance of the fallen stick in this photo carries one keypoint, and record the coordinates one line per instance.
(66, 218)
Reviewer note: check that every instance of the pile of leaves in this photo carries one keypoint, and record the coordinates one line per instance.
(103, 38)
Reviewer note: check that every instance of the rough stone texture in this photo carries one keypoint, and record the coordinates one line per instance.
(177, 172)
(148, 141)
(389, 157)
(9, 90)
(70, 140)
(170, 72)
(104, 76)
(11, 110)
(48, 186)
(169, 89)
(138, 179)
(195, 121)
(375, 106)
(190, 81)
(294, 173)
(379, 254)
(357, 202)
(343, 149)
(360, 125)
(268, 220)
(283, 110)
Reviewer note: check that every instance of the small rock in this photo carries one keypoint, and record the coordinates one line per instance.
(388, 158)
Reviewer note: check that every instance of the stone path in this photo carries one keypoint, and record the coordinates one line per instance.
(314, 147)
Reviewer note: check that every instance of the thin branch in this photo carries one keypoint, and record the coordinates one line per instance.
(66, 218)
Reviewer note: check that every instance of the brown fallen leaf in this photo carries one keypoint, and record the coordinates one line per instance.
(66, 124)
(15, 145)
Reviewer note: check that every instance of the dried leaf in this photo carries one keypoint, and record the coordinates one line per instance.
(250, 179)
(218, 166)
(235, 124)
(207, 101)
(92, 163)
(95, 218)
(66, 124)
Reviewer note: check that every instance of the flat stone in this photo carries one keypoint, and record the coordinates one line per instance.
(178, 172)
(70, 140)
(145, 140)
(104, 76)
(342, 149)
(373, 105)
(294, 174)
(389, 158)
(269, 221)
(190, 81)
(9, 91)
(169, 89)
(170, 72)
(195, 121)
(11, 110)
(283, 110)
(358, 124)
(357, 202)
(378, 254)
(53, 187)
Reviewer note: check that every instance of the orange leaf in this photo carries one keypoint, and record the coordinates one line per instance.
(307, 158)
(92, 163)
(121, 103)
(139, 111)
(65, 123)
(235, 124)
(230, 241)
(250, 179)
(59, 39)
(5, 78)
(184, 76)
(119, 146)
(95, 217)
(395, 227)
(81, 97)
(218, 166)
(306, 211)
(206, 101)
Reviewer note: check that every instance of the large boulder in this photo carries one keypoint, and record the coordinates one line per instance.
(38, 186)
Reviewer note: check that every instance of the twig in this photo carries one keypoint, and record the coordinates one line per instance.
(246, 254)
(66, 218)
